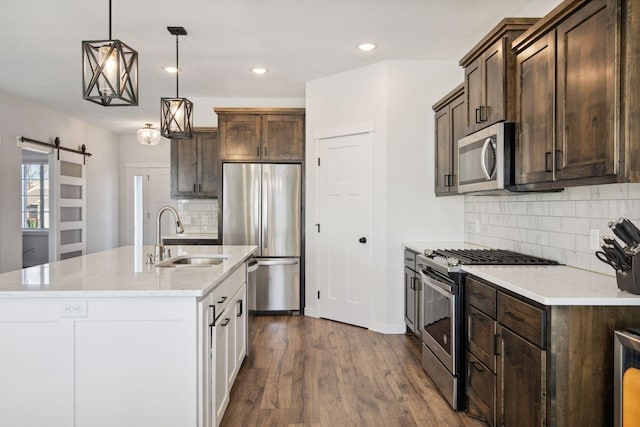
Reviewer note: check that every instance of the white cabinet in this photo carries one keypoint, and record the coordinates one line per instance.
(120, 361)
(229, 332)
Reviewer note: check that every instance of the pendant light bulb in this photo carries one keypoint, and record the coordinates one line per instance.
(148, 135)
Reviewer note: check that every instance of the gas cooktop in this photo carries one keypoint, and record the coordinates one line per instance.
(488, 257)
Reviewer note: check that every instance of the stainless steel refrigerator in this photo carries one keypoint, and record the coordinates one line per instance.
(261, 205)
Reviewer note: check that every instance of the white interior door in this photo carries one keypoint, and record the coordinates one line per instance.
(345, 217)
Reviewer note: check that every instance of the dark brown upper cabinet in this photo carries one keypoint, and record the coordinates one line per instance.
(568, 104)
(449, 128)
(261, 134)
(195, 165)
(489, 71)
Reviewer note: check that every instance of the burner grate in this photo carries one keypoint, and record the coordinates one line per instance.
(492, 257)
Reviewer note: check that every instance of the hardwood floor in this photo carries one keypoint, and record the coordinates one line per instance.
(315, 372)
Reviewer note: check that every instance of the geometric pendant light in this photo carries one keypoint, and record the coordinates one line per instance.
(109, 72)
(176, 114)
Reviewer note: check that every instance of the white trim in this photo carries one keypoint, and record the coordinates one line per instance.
(34, 147)
(388, 328)
(311, 312)
(70, 180)
(72, 247)
(71, 225)
(353, 129)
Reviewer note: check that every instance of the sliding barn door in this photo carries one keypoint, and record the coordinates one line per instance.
(70, 238)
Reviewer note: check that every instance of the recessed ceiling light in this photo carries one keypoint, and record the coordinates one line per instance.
(172, 70)
(259, 70)
(367, 46)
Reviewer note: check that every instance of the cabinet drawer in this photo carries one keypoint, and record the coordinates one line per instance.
(410, 259)
(522, 318)
(481, 391)
(481, 296)
(481, 333)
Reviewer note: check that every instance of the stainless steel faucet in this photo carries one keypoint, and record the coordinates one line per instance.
(158, 249)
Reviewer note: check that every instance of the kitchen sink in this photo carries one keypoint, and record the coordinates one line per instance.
(194, 261)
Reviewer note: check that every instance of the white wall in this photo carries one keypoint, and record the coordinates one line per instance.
(539, 8)
(397, 98)
(23, 118)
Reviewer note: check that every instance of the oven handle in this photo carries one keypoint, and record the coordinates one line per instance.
(437, 286)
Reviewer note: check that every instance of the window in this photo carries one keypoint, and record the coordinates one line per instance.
(35, 195)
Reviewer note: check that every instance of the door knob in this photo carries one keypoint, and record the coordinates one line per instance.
(362, 240)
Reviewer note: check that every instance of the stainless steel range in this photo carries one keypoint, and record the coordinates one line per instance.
(441, 321)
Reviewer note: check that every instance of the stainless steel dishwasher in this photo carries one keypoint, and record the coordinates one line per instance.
(252, 271)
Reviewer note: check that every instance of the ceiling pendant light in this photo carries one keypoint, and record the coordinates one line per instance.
(148, 135)
(176, 116)
(110, 72)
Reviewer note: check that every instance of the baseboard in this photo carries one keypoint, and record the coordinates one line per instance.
(311, 312)
(385, 328)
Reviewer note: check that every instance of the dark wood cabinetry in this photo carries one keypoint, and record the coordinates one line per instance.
(261, 134)
(534, 365)
(490, 76)
(568, 107)
(195, 165)
(449, 128)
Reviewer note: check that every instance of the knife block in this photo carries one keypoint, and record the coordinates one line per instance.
(630, 281)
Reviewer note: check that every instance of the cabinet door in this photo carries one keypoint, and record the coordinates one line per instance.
(587, 108)
(493, 68)
(241, 326)
(473, 90)
(535, 101)
(410, 299)
(283, 137)
(221, 384)
(184, 167)
(443, 150)
(458, 131)
(481, 332)
(521, 382)
(208, 164)
(239, 136)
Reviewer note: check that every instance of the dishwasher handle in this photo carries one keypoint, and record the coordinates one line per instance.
(253, 266)
(279, 262)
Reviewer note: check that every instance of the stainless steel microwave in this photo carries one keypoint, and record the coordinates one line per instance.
(486, 160)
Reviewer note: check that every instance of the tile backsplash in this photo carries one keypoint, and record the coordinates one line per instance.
(557, 226)
(199, 216)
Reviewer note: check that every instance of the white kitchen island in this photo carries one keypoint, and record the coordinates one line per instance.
(107, 340)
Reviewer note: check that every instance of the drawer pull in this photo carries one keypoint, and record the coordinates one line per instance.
(223, 299)
(226, 322)
(514, 316)
(213, 315)
(477, 295)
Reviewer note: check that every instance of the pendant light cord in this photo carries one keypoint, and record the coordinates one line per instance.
(110, 20)
(177, 67)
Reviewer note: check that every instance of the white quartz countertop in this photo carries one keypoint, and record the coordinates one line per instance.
(122, 272)
(557, 285)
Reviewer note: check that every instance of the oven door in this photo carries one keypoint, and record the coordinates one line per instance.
(626, 377)
(438, 326)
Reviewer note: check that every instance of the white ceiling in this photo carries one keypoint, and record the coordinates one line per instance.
(297, 40)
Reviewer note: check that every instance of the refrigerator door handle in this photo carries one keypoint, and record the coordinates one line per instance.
(279, 262)
(265, 211)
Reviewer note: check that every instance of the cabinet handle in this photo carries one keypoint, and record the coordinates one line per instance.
(258, 151)
(477, 115)
(240, 313)
(496, 346)
(547, 168)
(199, 188)
(514, 316)
(484, 113)
(226, 322)
(223, 299)
(194, 188)
(556, 161)
(213, 315)
(469, 333)
(265, 151)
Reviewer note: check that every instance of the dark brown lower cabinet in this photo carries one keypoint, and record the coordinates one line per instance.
(530, 364)
(521, 382)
